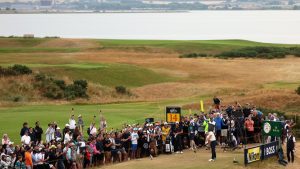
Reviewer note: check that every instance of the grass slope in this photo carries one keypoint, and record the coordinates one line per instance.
(185, 46)
(116, 114)
(21, 45)
(103, 73)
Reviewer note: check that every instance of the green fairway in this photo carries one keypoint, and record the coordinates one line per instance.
(12, 118)
(185, 46)
(35, 45)
(116, 114)
(108, 74)
(102, 73)
(282, 85)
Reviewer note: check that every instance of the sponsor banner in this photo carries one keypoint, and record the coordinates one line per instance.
(252, 154)
(173, 114)
(270, 149)
(260, 152)
(272, 128)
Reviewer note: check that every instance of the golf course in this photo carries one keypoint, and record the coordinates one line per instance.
(152, 74)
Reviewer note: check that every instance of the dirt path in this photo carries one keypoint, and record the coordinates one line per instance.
(199, 160)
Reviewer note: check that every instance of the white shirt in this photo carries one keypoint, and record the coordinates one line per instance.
(72, 123)
(39, 157)
(25, 140)
(67, 138)
(93, 130)
(49, 134)
(212, 136)
(134, 138)
(294, 139)
(113, 143)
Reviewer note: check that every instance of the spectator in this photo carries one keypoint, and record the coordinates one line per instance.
(290, 146)
(24, 129)
(28, 158)
(224, 128)
(68, 137)
(25, 140)
(192, 132)
(134, 137)
(38, 132)
(93, 130)
(57, 134)
(72, 123)
(19, 163)
(107, 148)
(249, 125)
(80, 123)
(4, 164)
(165, 132)
(257, 126)
(177, 135)
(32, 135)
(5, 139)
(218, 126)
(217, 102)
(50, 133)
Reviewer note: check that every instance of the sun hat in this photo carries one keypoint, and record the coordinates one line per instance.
(52, 147)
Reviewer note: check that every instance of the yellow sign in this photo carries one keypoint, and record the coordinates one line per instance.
(172, 118)
(253, 154)
(173, 114)
(201, 106)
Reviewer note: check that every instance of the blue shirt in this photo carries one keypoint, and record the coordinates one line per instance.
(219, 123)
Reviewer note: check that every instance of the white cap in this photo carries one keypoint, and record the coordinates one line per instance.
(165, 123)
(67, 125)
(58, 128)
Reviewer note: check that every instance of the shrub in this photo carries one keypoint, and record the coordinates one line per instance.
(121, 89)
(60, 83)
(40, 77)
(298, 90)
(17, 98)
(21, 69)
(193, 55)
(15, 70)
(77, 89)
(57, 89)
(69, 92)
(52, 91)
(261, 52)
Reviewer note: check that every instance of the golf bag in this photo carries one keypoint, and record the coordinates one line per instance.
(169, 148)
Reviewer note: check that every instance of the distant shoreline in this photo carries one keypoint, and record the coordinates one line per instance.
(129, 11)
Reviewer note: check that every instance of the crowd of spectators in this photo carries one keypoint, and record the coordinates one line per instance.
(78, 146)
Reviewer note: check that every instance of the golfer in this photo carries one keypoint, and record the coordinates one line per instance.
(211, 139)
